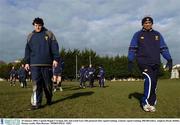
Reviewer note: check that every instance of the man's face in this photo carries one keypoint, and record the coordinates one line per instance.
(37, 27)
(147, 25)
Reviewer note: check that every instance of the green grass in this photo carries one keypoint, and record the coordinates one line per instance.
(116, 100)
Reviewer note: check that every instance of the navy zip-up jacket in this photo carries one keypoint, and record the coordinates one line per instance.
(22, 72)
(12, 72)
(101, 73)
(41, 48)
(90, 71)
(147, 46)
(82, 72)
(60, 66)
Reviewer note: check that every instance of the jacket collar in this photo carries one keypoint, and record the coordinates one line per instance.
(147, 30)
(43, 29)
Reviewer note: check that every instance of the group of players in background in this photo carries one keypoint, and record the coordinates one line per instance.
(20, 74)
(86, 74)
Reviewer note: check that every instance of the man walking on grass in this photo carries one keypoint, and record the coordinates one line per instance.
(147, 45)
(41, 53)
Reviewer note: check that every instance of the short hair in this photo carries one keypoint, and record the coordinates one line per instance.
(38, 21)
(147, 18)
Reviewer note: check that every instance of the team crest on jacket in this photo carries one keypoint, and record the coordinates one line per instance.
(156, 37)
(145, 70)
(46, 38)
(142, 37)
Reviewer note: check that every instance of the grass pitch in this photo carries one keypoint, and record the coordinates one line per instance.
(116, 100)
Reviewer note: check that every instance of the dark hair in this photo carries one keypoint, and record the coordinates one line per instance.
(101, 66)
(148, 18)
(38, 21)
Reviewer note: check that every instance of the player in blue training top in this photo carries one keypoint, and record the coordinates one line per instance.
(57, 75)
(12, 76)
(101, 76)
(90, 75)
(22, 74)
(147, 45)
(82, 75)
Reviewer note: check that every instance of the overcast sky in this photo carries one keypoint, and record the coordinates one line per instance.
(106, 26)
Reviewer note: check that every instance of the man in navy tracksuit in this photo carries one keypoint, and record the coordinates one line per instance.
(82, 74)
(57, 75)
(91, 71)
(22, 74)
(41, 53)
(101, 76)
(12, 75)
(147, 45)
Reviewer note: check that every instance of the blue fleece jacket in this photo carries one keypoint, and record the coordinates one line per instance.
(147, 46)
(41, 49)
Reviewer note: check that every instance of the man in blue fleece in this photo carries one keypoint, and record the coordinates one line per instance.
(12, 76)
(101, 76)
(82, 76)
(57, 75)
(22, 74)
(147, 45)
(41, 53)
(90, 73)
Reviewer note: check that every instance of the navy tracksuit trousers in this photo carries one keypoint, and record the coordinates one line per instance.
(101, 81)
(91, 80)
(22, 79)
(82, 80)
(41, 77)
(150, 73)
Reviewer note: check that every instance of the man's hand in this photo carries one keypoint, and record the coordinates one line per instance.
(55, 63)
(169, 65)
(27, 67)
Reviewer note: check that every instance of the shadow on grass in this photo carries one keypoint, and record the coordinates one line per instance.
(73, 96)
(96, 86)
(136, 95)
(70, 88)
(77, 88)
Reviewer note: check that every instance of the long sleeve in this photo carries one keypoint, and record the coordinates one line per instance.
(164, 49)
(27, 54)
(133, 47)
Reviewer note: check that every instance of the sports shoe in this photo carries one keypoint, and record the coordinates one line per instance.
(146, 108)
(152, 108)
(149, 108)
(61, 89)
